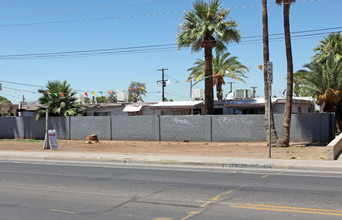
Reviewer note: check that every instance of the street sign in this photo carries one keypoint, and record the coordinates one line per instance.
(269, 72)
(53, 140)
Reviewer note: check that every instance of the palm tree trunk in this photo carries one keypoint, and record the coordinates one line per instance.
(208, 69)
(266, 59)
(219, 88)
(284, 139)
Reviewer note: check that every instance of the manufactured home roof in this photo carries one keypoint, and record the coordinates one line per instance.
(178, 104)
(132, 108)
(260, 102)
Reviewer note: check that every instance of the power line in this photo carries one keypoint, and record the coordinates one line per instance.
(20, 90)
(134, 16)
(149, 48)
(176, 95)
(77, 9)
(23, 84)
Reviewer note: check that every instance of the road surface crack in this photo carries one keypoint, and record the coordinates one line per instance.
(132, 199)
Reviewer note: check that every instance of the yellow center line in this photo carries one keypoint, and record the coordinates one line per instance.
(285, 210)
(204, 206)
(162, 219)
(289, 207)
(190, 214)
(63, 211)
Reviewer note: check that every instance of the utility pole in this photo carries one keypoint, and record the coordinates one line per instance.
(254, 91)
(231, 86)
(163, 82)
(191, 90)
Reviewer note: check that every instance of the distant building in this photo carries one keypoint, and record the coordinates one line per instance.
(178, 108)
(8, 109)
(257, 106)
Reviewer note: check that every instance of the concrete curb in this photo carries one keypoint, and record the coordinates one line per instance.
(217, 162)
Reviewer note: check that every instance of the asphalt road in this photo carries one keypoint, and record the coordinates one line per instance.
(32, 190)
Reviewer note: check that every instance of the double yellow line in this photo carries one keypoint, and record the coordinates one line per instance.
(287, 209)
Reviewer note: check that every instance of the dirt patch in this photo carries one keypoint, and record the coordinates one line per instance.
(302, 151)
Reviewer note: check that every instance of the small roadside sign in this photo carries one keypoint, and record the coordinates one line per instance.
(269, 72)
(53, 139)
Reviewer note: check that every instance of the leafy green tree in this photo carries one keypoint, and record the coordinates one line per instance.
(112, 97)
(101, 99)
(206, 26)
(4, 113)
(224, 66)
(58, 98)
(284, 139)
(87, 100)
(4, 100)
(135, 91)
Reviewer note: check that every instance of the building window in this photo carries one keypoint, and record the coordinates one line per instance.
(101, 113)
(299, 110)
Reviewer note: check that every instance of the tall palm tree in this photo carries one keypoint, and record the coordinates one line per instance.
(58, 98)
(266, 54)
(206, 27)
(324, 81)
(224, 66)
(284, 139)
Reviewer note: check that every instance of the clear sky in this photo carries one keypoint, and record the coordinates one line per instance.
(40, 26)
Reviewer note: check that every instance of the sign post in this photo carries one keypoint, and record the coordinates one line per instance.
(270, 81)
(46, 140)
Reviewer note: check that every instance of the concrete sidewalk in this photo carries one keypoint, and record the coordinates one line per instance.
(222, 162)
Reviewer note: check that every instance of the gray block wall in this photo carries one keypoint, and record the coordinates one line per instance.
(135, 128)
(60, 124)
(304, 127)
(81, 127)
(238, 128)
(310, 127)
(13, 127)
(185, 127)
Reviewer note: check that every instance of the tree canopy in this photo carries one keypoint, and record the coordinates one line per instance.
(207, 20)
(135, 91)
(4, 100)
(223, 66)
(58, 98)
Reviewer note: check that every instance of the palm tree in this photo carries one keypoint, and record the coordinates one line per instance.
(206, 27)
(58, 98)
(284, 139)
(330, 46)
(266, 54)
(224, 66)
(324, 81)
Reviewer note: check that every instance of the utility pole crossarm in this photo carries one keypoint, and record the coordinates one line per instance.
(163, 82)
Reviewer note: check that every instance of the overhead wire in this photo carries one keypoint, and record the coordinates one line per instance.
(150, 48)
(77, 9)
(134, 16)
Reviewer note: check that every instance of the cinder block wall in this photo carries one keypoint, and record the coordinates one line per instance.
(185, 128)
(135, 128)
(304, 127)
(238, 128)
(81, 127)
